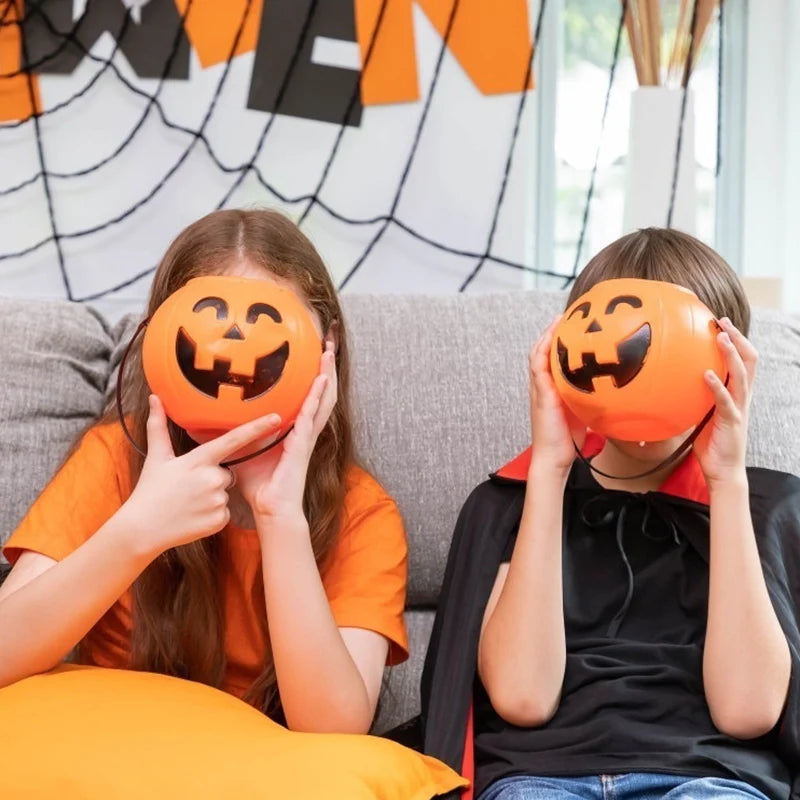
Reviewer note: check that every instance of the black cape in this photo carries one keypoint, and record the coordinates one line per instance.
(488, 522)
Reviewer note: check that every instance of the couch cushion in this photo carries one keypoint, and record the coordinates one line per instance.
(400, 698)
(774, 435)
(440, 400)
(56, 367)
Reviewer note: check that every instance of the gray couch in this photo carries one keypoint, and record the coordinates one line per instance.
(441, 397)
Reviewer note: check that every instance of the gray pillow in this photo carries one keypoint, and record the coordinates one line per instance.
(56, 367)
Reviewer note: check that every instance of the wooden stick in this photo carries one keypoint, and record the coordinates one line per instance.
(633, 39)
(678, 40)
(705, 11)
(645, 30)
(654, 18)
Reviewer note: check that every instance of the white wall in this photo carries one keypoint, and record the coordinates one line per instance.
(771, 230)
(449, 196)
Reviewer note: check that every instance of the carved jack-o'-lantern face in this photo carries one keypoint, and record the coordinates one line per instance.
(224, 350)
(628, 359)
(267, 368)
(631, 349)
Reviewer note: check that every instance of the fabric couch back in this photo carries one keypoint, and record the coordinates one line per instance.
(440, 397)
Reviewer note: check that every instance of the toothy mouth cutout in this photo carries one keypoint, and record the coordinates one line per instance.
(631, 354)
(267, 370)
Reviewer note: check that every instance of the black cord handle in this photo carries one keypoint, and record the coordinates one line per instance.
(667, 462)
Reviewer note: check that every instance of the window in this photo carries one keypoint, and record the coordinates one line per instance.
(573, 78)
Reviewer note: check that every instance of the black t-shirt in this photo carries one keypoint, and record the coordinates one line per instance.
(632, 698)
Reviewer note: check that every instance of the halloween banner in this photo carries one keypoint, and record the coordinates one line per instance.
(120, 122)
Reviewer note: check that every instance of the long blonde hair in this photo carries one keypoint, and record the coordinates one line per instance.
(178, 624)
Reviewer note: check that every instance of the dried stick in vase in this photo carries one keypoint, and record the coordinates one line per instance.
(654, 19)
(643, 14)
(633, 39)
(678, 43)
(705, 12)
(691, 48)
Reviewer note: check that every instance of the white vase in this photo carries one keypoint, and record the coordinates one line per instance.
(655, 122)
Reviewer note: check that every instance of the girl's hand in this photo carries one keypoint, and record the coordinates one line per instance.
(274, 484)
(553, 425)
(179, 499)
(722, 445)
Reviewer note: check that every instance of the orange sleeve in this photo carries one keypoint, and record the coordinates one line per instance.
(79, 499)
(365, 580)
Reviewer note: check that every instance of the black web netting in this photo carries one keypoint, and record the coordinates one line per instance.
(52, 41)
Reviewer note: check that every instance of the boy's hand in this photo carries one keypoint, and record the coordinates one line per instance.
(553, 426)
(722, 445)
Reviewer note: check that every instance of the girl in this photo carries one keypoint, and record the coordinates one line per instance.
(628, 638)
(281, 581)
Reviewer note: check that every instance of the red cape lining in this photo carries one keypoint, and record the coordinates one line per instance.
(686, 480)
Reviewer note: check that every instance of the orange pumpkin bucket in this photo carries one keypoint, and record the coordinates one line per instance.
(628, 359)
(223, 350)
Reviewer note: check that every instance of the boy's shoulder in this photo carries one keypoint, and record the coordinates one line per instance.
(772, 482)
(492, 495)
(491, 512)
(774, 494)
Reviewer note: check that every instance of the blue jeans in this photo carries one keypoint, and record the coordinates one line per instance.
(633, 786)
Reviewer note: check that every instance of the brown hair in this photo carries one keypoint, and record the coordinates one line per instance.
(178, 624)
(662, 254)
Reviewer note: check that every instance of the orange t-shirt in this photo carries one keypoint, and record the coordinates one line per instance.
(364, 579)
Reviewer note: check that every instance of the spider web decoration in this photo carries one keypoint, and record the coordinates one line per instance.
(167, 159)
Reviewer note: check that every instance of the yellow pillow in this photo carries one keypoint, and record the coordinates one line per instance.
(86, 732)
